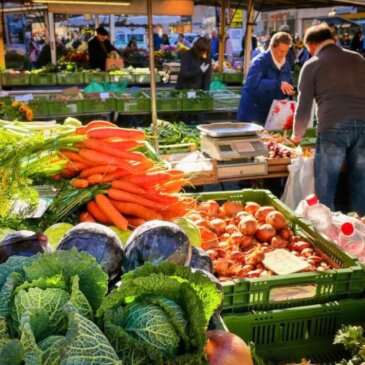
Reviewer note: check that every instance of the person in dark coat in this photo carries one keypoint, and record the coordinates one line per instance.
(99, 47)
(268, 78)
(195, 70)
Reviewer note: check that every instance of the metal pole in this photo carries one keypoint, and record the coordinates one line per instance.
(112, 28)
(222, 33)
(248, 42)
(52, 38)
(153, 79)
(2, 47)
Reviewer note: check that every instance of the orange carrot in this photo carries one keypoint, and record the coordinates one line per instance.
(111, 212)
(105, 159)
(135, 221)
(73, 156)
(94, 124)
(95, 179)
(86, 217)
(177, 174)
(73, 165)
(136, 210)
(126, 133)
(133, 198)
(127, 145)
(105, 169)
(79, 183)
(68, 173)
(127, 186)
(120, 173)
(175, 186)
(148, 179)
(96, 212)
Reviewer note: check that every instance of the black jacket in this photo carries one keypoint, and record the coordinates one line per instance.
(191, 76)
(97, 55)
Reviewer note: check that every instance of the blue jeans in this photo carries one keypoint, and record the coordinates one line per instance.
(342, 143)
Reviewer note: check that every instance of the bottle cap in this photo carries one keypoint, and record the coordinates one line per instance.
(347, 229)
(311, 199)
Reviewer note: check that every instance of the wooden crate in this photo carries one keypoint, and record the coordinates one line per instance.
(205, 177)
(278, 164)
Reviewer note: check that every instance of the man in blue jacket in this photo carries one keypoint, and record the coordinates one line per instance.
(268, 78)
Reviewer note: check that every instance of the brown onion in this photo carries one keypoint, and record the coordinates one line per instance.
(252, 207)
(218, 225)
(276, 219)
(248, 225)
(265, 233)
(263, 212)
(225, 348)
(231, 208)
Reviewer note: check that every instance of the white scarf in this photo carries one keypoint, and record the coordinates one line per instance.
(279, 65)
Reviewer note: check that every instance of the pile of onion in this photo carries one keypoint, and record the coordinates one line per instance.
(225, 348)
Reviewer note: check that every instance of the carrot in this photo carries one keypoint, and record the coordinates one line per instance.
(136, 210)
(94, 124)
(127, 145)
(127, 186)
(86, 217)
(68, 173)
(120, 173)
(105, 159)
(79, 183)
(73, 156)
(161, 198)
(148, 179)
(105, 169)
(133, 198)
(177, 174)
(135, 221)
(126, 133)
(107, 147)
(96, 212)
(95, 179)
(73, 165)
(175, 186)
(111, 212)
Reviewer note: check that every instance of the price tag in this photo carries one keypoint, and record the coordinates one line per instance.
(282, 262)
(104, 96)
(24, 98)
(191, 95)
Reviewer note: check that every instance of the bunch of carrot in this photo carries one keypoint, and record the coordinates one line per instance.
(133, 189)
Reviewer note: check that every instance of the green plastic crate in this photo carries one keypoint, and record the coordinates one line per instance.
(96, 77)
(130, 102)
(145, 78)
(225, 99)
(15, 79)
(201, 102)
(39, 106)
(288, 335)
(167, 101)
(99, 104)
(242, 295)
(233, 77)
(120, 78)
(60, 107)
(70, 78)
(43, 79)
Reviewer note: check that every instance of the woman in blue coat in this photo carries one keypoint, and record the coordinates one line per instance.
(268, 78)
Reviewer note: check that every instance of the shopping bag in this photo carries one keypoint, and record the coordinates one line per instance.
(281, 115)
(114, 64)
(300, 182)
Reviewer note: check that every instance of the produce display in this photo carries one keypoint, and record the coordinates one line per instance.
(237, 237)
(277, 150)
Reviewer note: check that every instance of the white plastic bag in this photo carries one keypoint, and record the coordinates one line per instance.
(300, 182)
(281, 115)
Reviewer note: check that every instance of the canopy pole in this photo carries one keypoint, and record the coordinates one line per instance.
(112, 28)
(153, 78)
(248, 37)
(52, 38)
(222, 33)
(2, 48)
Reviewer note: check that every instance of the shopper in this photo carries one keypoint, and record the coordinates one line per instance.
(214, 45)
(292, 50)
(268, 78)
(33, 50)
(357, 42)
(132, 44)
(44, 57)
(335, 78)
(157, 41)
(99, 48)
(165, 40)
(181, 40)
(195, 70)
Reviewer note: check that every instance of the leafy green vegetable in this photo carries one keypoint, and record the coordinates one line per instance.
(191, 229)
(159, 314)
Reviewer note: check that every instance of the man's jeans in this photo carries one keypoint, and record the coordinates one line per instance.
(343, 143)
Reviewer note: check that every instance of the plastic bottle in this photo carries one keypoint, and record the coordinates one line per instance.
(320, 216)
(351, 240)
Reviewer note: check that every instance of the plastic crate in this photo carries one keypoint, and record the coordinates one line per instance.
(288, 335)
(43, 79)
(145, 78)
(96, 77)
(131, 102)
(39, 106)
(201, 102)
(283, 291)
(225, 99)
(168, 101)
(233, 77)
(99, 104)
(60, 107)
(120, 78)
(70, 78)
(15, 79)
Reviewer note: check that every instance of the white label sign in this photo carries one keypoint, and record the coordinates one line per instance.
(24, 98)
(191, 95)
(282, 262)
(104, 96)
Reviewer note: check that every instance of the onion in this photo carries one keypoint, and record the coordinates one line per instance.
(265, 233)
(276, 219)
(231, 208)
(263, 212)
(252, 207)
(218, 225)
(225, 348)
(211, 207)
(248, 226)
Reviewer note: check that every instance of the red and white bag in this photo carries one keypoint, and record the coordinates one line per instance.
(281, 115)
